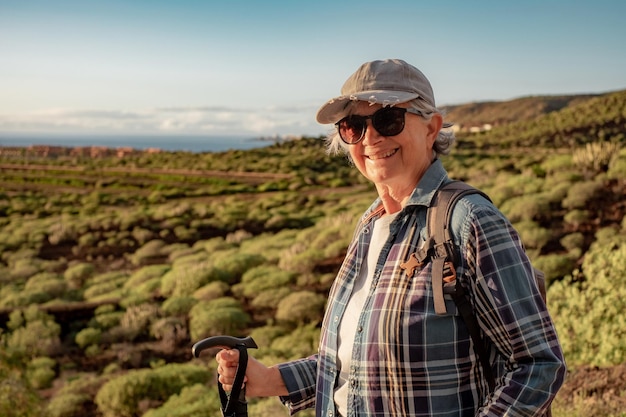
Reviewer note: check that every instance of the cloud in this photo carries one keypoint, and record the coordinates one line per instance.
(295, 120)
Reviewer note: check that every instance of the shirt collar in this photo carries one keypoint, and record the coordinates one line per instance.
(430, 182)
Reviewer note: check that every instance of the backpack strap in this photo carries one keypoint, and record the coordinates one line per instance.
(444, 254)
(444, 257)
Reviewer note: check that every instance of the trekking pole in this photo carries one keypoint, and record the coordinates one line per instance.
(233, 404)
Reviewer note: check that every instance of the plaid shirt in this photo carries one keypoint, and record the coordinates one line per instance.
(409, 361)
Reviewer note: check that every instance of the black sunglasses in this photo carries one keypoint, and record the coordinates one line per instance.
(388, 121)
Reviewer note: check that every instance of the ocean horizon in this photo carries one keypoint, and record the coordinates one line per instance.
(187, 143)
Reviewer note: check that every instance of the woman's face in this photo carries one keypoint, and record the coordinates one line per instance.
(396, 163)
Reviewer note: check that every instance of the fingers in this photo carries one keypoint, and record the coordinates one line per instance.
(227, 363)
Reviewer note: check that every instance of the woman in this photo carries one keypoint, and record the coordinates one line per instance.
(383, 350)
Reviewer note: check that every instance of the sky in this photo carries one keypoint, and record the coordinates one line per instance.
(263, 68)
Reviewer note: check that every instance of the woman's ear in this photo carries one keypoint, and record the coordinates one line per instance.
(434, 126)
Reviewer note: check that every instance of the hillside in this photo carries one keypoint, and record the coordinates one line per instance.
(112, 267)
(498, 113)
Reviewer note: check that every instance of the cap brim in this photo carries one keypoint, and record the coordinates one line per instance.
(337, 108)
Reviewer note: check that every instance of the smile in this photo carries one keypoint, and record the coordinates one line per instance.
(382, 155)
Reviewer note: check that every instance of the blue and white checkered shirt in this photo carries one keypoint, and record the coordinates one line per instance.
(409, 361)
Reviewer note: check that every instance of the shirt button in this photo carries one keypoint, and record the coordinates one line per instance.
(336, 319)
(330, 413)
(359, 329)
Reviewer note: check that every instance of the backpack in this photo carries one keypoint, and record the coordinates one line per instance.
(444, 257)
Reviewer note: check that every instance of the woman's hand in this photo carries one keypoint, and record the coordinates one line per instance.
(260, 381)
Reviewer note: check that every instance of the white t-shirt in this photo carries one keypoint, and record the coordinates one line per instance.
(350, 319)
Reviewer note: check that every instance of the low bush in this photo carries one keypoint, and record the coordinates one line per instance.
(590, 305)
(121, 396)
(211, 291)
(77, 274)
(301, 307)
(581, 193)
(178, 305)
(197, 400)
(33, 333)
(149, 253)
(75, 396)
(88, 337)
(40, 372)
(261, 278)
(533, 235)
(554, 266)
(220, 316)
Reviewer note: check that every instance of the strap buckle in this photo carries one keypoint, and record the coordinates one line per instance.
(449, 272)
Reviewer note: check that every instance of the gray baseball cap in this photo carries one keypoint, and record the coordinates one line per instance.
(387, 82)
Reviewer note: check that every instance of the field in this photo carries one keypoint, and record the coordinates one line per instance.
(112, 266)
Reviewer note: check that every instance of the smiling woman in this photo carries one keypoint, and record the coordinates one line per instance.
(386, 349)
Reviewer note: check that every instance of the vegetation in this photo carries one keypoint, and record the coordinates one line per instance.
(110, 269)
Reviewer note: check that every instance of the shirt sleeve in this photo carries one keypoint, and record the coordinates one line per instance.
(300, 379)
(513, 316)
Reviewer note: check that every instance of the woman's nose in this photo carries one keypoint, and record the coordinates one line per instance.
(371, 135)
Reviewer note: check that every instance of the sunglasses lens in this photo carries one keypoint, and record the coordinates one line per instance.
(389, 121)
(351, 128)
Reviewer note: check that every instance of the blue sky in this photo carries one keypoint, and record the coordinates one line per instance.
(264, 68)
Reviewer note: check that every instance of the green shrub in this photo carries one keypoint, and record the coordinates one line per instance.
(21, 298)
(108, 284)
(73, 398)
(34, 333)
(533, 235)
(77, 274)
(169, 329)
(105, 320)
(46, 282)
(68, 405)
(146, 273)
(573, 241)
(232, 265)
(197, 400)
(121, 396)
(149, 253)
(589, 309)
(617, 167)
(137, 319)
(557, 163)
(264, 336)
(144, 291)
(554, 266)
(17, 398)
(220, 316)
(581, 193)
(261, 278)
(526, 207)
(270, 245)
(300, 343)
(40, 372)
(211, 291)
(87, 337)
(270, 298)
(23, 269)
(178, 305)
(301, 307)
(185, 278)
(142, 236)
(576, 217)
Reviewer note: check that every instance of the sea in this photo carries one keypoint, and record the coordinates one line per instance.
(195, 144)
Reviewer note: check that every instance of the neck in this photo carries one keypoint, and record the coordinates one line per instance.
(393, 200)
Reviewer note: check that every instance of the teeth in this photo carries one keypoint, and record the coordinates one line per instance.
(382, 155)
